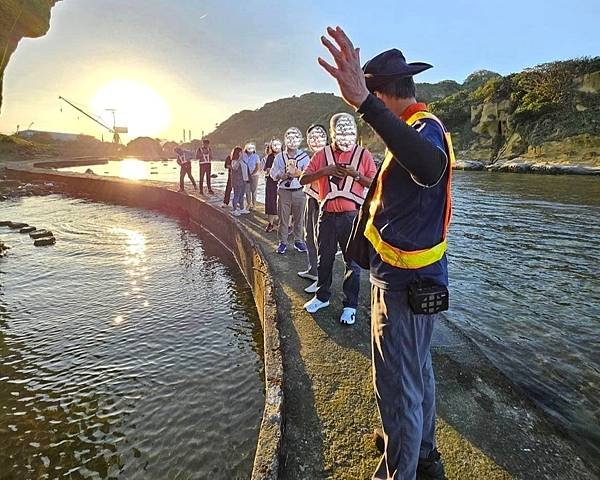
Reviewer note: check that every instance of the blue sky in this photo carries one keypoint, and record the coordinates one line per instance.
(210, 58)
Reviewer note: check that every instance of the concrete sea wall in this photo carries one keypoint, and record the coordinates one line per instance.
(233, 236)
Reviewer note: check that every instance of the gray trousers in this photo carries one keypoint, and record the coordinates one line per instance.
(311, 219)
(291, 203)
(404, 383)
(251, 188)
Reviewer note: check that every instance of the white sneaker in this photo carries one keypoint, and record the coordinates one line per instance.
(236, 213)
(348, 316)
(312, 288)
(244, 211)
(306, 274)
(315, 305)
(339, 252)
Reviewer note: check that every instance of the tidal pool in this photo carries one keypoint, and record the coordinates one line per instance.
(130, 349)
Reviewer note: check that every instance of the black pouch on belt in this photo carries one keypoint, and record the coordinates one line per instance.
(427, 298)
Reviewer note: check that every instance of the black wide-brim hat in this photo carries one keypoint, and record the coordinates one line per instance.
(388, 66)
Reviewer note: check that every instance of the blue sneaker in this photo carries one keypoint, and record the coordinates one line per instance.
(281, 248)
(300, 246)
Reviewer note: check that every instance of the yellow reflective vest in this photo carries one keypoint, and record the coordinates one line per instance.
(389, 253)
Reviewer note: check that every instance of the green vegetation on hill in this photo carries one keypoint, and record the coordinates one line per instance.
(528, 112)
(550, 112)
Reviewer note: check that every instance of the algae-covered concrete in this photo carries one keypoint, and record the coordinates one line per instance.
(486, 429)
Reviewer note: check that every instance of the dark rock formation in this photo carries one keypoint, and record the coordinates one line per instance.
(40, 234)
(17, 225)
(42, 242)
(18, 19)
(144, 147)
(27, 230)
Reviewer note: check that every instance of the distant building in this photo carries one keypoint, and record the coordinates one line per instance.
(57, 136)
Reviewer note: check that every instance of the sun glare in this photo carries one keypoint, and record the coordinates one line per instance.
(138, 107)
(132, 169)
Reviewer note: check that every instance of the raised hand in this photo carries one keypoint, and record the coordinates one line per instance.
(348, 74)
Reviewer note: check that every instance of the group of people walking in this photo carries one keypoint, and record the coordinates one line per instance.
(392, 221)
(311, 200)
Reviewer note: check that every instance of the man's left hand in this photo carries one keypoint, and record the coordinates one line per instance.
(351, 172)
(348, 73)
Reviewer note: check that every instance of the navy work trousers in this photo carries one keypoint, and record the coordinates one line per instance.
(404, 382)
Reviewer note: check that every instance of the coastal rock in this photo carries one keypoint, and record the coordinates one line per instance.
(214, 175)
(40, 234)
(5, 223)
(27, 230)
(42, 242)
(17, 225)
(468, 165)
(89, 171)
(3, 249)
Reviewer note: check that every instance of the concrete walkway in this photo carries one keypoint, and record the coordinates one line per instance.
(486, 430)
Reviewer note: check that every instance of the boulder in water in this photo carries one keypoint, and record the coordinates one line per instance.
(27, 230)
(89, 171)
(42, 242)
(4, 223)
(17, 225)
(40, 234)
(214, 175)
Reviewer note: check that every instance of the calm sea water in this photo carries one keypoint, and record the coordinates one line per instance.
(131, 348)
(524, 267)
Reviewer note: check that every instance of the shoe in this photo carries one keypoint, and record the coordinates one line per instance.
(236, 213)
(314, 305)
(244, 211)
(348, 316)
(300, 246)
(211, 192)
(431, 468)
(269, 228)
(312, 288)
(306, 274)
(379, 440)
(224, 205)
(339, 252)
(181, 190)
(281, 248)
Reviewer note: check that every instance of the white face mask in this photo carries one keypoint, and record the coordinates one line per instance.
(344, 132)
(316, 138)
(250, 148)
(292, 138)
(276, 145)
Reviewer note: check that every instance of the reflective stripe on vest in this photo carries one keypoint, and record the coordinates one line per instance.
(309, 189)
(349, 182)
(390, 254)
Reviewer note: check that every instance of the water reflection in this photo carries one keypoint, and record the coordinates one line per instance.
(94, 384)
(133, 169)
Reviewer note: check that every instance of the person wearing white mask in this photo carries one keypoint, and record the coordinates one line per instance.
(287, 168)
(252, 161)
(316, 138)
(342, 173)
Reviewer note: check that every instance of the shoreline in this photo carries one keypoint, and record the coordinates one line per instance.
(521, 165)
(487, 428)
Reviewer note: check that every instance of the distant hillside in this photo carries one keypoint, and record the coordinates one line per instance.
(275, 117)
(548, 113)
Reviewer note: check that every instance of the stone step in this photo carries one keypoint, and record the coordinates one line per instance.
(41, 234)
(42, 242)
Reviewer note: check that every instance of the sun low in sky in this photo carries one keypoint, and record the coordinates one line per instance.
(137, 106)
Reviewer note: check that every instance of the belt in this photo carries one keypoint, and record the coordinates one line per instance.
(291, 189)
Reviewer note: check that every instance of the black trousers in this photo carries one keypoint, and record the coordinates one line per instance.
(204, 172)
(228, 189)
(334, 229)
(186, 169)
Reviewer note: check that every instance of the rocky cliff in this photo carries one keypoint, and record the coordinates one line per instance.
(546, 114)
(18, 19)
